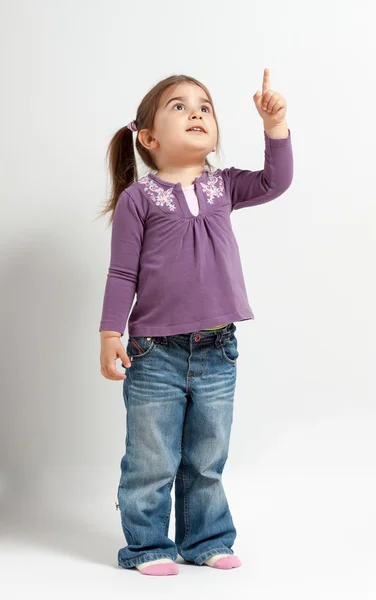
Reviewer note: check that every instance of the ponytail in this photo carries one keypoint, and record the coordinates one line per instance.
(122, 167)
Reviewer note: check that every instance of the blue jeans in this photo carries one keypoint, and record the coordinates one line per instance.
(179, 398)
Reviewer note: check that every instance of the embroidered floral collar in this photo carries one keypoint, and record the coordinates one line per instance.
(162, 192)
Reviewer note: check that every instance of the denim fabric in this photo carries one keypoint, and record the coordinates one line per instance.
(179, 398)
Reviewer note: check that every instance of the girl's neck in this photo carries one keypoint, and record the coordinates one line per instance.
(185, 177)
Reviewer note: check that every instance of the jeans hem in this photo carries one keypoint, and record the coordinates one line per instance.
(199, 560)
(131, 562)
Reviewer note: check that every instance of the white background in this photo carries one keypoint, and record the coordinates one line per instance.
(300, 477)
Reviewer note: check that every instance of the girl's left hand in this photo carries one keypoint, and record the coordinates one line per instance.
(270, 105)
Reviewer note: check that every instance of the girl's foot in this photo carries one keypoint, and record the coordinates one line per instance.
(223, 561)
(162, 566)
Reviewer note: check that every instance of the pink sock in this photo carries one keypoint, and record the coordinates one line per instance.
(163, 566)
(224, 562)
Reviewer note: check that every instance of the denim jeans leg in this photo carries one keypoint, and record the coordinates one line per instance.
(155, 407)
(204, 524)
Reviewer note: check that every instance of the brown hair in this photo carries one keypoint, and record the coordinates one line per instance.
(120, 154)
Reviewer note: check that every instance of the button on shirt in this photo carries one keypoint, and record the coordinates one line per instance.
(182, 261)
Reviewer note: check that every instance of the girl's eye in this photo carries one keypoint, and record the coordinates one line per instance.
(183, 105)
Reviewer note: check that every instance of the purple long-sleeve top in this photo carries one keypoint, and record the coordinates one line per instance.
(185, 269)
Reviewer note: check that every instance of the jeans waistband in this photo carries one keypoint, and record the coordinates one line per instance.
(216, 334)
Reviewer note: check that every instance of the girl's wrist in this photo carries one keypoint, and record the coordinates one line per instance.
(110, 334)
(277, 131)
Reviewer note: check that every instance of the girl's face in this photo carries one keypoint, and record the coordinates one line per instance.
(181, 108)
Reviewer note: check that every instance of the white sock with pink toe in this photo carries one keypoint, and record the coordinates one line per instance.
(161, 566)
(166, 566)
(223, 561)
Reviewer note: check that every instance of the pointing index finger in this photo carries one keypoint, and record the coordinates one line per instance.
(266, 81)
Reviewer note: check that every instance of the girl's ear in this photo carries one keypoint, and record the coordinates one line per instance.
(147, 140)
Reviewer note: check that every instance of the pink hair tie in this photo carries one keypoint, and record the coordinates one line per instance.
(132, 126)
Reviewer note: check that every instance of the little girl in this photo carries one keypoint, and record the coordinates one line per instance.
(173, 244)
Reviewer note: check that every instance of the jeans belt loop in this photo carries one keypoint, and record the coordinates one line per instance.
(218, 339)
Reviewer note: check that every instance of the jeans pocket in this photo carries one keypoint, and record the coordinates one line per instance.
(229, 349)
(139, 347)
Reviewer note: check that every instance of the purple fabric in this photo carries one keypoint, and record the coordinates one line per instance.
(185, 270)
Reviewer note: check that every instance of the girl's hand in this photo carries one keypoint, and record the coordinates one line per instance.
(111, 349)
(271, 106)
